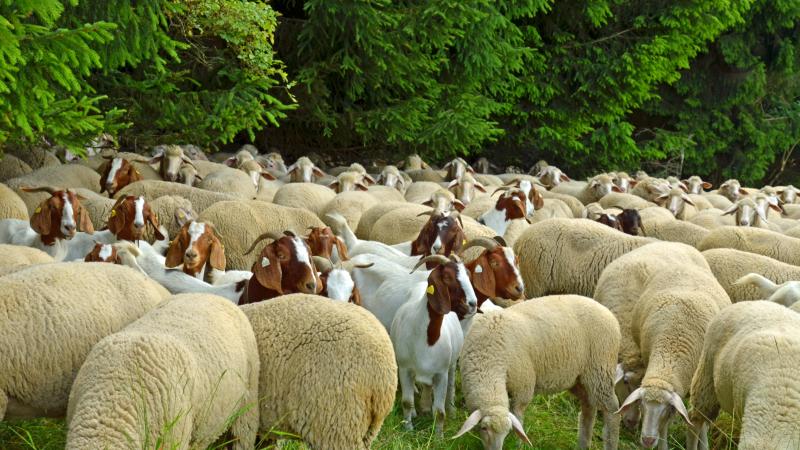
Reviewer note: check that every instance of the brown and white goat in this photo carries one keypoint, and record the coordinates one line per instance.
(337, 283)
(283, 267)
(494, 273)
(442, 234)
(106, 253)
(324, 243)
(197, 247)
(116, 174)
(128, 219)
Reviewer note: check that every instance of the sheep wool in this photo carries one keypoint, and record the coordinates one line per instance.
(239, 223)
(54, 314)
(11, 205)
(12, 167)
(230, 181)
(574, 204)
(348, 365)
(754, 240)
(674, 230)
(351, 205)
(152, 189)
(310, 196)
(17, 257)
(545, 345)
(370, 216)
(748, 365)
(63, 176)
(729, 265)
(566, 256)
(173, 377)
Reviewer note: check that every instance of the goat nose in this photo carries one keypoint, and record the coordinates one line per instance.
(648, 441)
(311, 287)
(138, 225)
(69, 227)
(191, 254)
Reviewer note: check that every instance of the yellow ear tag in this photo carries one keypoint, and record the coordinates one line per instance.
(430, 289)
(464, 242)
(38, 209)
(113, 212)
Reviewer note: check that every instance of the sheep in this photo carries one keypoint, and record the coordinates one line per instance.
(390, 176)
(54, 222)
(624, 201)
(443, 201)
(788, 193)
(230, 181)
(664, 296)
(676, 201)
(273, 163)
(566, 256)
(170, 159)
(786, 293)
(623, 180)
(412, 162)
(12, 167)
(152, 189)
(146, 260)
(421, 191)
(731, 189)
(17, 257)
(551, 176)
(427, 339)
(206, 372)
(457, 168)
(385, 194)
(310, 196)
(67, 176)
(696, 185)
(347, 359)
(11, 205)
(754, 240)
(730, 265)
(711, 219)
(348, 181)
(750, 354)
(483, 166)
(53, 315)
(351, 205)
(536, 168)
(371, 215)
(505, 361)
(591, 191)
(464, 187)
(426, 175)
(488, 180)
(304, 171)
(242, 222)
(674, 231)
(651, 188)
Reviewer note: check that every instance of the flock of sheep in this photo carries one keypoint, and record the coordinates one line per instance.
(172, 301)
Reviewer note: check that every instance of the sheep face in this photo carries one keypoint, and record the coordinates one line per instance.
(390, 176)
(788, 194)
(254, 170)
(631, 222)
(552, 176)
(494, 425)
(696, 184)
(746, 212)
(116, 174)
(195, 246)
(731, 189)
(188, 175)
(322, 241)
(60, 216)
(442, 234)
(674, 200)
(464, 188)
(657, 408)
(129, 216)
(623, 181)
(170, 161)
(602, 185)
(304, 171)
(106, 253)
(349, 181)
(457, 168)
(443, 202)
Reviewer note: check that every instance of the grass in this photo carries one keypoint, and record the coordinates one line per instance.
(551, 423)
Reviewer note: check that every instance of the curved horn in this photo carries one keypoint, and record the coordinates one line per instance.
(501, 241)
(323, 264)
(431, 258)
(488, 244)
(49, 189)
(502, 188)
(268, 235)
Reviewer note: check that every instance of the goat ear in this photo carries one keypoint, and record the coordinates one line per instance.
(152, 218)
(341, 249)
(106, 168)
(538, 200)
(41, 218)
(472, 420)
(355, 298)
(175, 252)
(268, 271)
(84, 222)
(438, 292)
(133, 174)
(483, 277)
(116, 219)
(217, 256)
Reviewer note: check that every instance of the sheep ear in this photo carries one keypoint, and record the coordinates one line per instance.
(267, 176)
(564, 177)
(635, 396)
(480, 187)
(361, 187)
(156, 159)
(732, 209)
(743, 192)
(334, 185)
(458, 205)
(318, 172)
(707, 185)
(762, 215)
(452, 184)
(619, 375)
(677, 403)
(472, 420)
(616, 188)
(687, 199)
(517, 426)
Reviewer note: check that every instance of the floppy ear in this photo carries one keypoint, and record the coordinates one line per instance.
(743, 192)
(341, 248)
(424, 165)
(84, 222)
(156, 159)
(483, 277)
(687, 199)
(104, 175)
(538, 200)
(616, 188)
(355, 298)
(217, 257)
(334, 185)
(268, 271)
(41, 218)
(480, 187)
(116, 219)
(677, 403)
(361, 187)
(268, 176)
(564, 177)
(438, 293)
(634, 397)
(458, 205)
(452, 184)
(133, 174)
(318, 172)
(517, 426)
(175, 252)
(732, 209)
(153, 220)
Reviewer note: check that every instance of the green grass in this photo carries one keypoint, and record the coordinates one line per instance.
(551, 423)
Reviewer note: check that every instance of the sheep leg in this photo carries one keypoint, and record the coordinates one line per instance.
(407, 388)
(586, 418)
(451, 389)
(3, 404)
(439, 399)
(705, 405)
(697, 435)
(244, 429)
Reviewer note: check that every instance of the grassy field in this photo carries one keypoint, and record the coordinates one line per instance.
(551, 423)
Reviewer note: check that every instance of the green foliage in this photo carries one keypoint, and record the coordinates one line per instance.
(738, 104)
(43, 72)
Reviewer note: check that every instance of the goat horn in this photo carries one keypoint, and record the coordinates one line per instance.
(49, 189)
(501, 188)
(501, 241)
(488, 244)
(323, 264)
(268, 235)
(431, 258)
